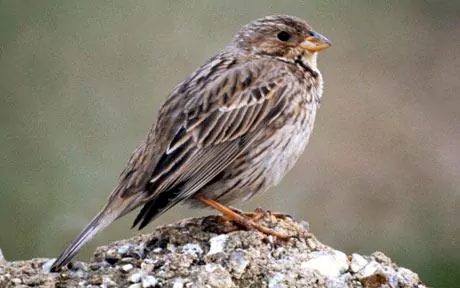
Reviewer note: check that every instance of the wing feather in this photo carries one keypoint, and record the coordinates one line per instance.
(217, 125)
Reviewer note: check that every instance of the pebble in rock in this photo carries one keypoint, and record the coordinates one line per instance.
(370, 269)
(238, 263)
(328, 263)
(127, 267)
(178, 283)
(149, 281)
(192, 249)
(217, 244)
(122, 250)
(147, 265)
(2, 258)
(112, 256)
(276, 281)
(403, 278)
(218, 277)
(47, 266)
(157, 250)
(357, 262)
(136, 277)
(107, 282)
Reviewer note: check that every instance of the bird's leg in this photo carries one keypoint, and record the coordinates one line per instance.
(239, 217)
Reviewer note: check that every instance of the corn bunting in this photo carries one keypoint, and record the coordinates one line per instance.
(233, 128)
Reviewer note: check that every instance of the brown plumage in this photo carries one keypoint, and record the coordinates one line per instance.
(230, 130)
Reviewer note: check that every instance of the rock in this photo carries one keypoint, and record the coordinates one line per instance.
(328, 263)
(276, 281)
(238, 262)
(2, 258)
(47, 265)
(147, 265)
(217, 244)
(123, 250)
(149, 281)
(216, 276)
(127, 267)
(357, 262)
(200, 252)
(193, 249)
(136, 277)
(95, 280)
(178, 283)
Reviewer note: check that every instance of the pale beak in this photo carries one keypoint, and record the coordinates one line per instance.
(316, 42)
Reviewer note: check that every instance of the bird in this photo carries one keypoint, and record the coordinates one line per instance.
(230, 130)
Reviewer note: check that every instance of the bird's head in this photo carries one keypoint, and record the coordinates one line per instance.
(281, 36)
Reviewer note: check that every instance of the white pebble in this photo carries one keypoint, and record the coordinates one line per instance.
(127, 267)
(147, 265)
(136, 277)
(238, 263)
(217, 244)
(124, 249)
(107, 282)
(370, 269)
(357, 262)
(276, 281)
(192, 249)
(157, 250)
(47, 266)
(330, 263)
(178, 283)
(404, 277)
(149, 281)
(2, 258)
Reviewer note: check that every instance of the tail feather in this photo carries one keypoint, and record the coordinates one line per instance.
(156, 207)
(99, 222)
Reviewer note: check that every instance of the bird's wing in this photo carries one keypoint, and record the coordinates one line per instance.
(217, 124)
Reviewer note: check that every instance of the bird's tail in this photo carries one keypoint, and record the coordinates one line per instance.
(99, 222)
(114, 209)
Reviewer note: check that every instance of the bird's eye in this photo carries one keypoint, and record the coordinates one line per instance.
(284, 36)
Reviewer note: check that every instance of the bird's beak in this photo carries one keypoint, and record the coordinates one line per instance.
(316, 42)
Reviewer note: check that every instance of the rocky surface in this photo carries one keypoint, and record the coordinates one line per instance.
(203, 252)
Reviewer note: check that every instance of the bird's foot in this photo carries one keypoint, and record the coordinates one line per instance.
(246, 220)
(260, 213)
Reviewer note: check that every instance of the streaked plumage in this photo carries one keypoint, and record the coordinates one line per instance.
(230, 130)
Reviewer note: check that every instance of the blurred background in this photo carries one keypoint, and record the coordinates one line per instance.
(81, 83)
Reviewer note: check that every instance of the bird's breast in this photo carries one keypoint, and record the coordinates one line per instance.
(288, 143)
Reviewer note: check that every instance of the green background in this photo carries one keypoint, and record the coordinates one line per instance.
(81, 83)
